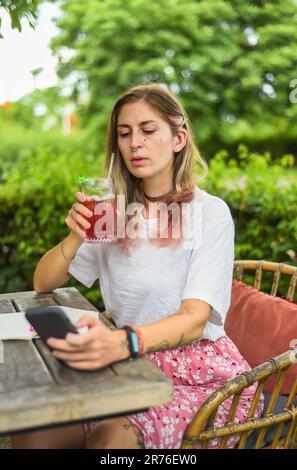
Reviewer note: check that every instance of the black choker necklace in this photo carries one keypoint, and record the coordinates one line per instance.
(156, 198)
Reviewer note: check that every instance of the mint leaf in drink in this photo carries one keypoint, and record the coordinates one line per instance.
(101, 192)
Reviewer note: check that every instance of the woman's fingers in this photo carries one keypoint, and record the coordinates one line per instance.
(61, 344)
(72, 343)
(86, 320)
(82, 351)
(80, 207)
(85, 365)
(75, 227)
(81, 197)
(77, 218)
(83, 340)
(78, 342)
(76, 356)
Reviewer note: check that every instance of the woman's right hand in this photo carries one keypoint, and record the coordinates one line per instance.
(77, 218)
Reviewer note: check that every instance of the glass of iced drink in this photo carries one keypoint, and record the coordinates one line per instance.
(101, 201)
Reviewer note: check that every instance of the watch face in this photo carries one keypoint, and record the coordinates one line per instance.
(132, 340)
(134, 343)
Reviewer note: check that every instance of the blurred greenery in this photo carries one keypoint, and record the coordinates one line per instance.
(262, 196)
(231, 63)
(36, 193)
(40, 109)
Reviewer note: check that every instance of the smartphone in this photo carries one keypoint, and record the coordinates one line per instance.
(49, 322)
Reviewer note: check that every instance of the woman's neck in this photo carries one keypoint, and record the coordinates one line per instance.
(153, 198)
(157, 188)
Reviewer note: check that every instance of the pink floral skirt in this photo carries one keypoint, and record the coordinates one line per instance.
(196, 370)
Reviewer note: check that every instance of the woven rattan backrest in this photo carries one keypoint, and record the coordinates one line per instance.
(202, 431)
(259, 267)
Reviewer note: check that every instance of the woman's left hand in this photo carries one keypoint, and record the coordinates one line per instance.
(97, 348)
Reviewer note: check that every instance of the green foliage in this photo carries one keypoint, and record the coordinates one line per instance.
(20, 9)
(230, 62)
(19, 144)
(40, 110)
(36, 193)
(262, 197)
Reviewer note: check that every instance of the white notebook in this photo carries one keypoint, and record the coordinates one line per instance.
(15, 325)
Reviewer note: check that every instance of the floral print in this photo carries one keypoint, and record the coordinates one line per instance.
(196, 370)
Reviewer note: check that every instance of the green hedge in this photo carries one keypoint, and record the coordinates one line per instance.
(262, 196)
(35, 196)
(38, 190)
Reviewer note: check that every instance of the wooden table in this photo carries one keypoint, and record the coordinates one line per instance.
(37, 391)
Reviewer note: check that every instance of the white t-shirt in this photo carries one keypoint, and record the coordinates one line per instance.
(150, 282)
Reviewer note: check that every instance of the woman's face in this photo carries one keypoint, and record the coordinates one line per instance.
(146, 142)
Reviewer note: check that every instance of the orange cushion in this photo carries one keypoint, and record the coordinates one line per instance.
(262, 326)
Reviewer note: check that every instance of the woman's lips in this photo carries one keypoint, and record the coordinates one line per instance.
(138, 161)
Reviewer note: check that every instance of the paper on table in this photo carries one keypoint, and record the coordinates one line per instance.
(15, 325)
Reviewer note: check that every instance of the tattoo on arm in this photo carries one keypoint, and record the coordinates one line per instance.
(160, 347)
(181, 340)
(138, 433)
(127, 426)
(166, 345)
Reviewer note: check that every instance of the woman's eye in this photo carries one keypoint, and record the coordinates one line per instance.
(145, 131)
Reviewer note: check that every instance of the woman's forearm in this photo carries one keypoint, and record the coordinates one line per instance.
(183, 327)
(52, 270)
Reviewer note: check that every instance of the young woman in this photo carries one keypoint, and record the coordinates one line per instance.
(174, 291)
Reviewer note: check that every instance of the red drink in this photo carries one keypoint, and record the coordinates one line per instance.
(103, 221)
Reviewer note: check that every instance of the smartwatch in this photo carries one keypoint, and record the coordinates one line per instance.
(132, 341)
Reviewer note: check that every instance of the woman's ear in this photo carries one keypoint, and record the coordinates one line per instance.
(180, 140)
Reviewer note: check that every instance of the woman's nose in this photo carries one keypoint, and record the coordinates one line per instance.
(136, 140)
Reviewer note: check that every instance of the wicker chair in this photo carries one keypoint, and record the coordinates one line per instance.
(281, 424)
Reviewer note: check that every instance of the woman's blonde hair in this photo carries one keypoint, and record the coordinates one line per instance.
(185, 161)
